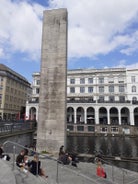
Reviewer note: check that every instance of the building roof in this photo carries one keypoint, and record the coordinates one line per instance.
(15, 75)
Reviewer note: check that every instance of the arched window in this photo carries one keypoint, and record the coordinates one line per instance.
(134, 99)
(133, 88)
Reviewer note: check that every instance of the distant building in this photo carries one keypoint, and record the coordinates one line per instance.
(33, 102)
(96, 97)
(14, 90)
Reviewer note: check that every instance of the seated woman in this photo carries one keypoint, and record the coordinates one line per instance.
(20, 159)
(35, 167)
(100, 170)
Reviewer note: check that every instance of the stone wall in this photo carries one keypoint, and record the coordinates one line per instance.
(19, 138)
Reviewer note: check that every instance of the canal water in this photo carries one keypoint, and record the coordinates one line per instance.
(110, 146)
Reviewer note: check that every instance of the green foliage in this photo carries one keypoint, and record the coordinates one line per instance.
(44, 152)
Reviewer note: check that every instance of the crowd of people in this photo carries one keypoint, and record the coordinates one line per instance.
(33, 166)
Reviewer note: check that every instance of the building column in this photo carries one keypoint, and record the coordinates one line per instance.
(108, 116)
(27, 111)
(85, 116)
(37, 113)
(75, 116)
(96, 116)
(131, 116)
(119, 116)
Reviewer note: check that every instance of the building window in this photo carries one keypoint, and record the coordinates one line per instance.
(133, 89)
(133, 79)
(111, 80)
(90, 89)
(90, 80)
(37, 90)
(111, 98)
(82, 89)
(121, 79)
(134, 99)
(121, 89)
(1, 96)
(82, 81)
(72, 81)
(101, 98)
(72, 90)
(101, 89)
(122, 98)
(38, 82)
(101, 80)
(114, 129)
(111, 89)
(104, 129)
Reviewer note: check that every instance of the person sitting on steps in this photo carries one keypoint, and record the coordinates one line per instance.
(35, 167)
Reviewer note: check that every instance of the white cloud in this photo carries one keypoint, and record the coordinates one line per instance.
(122, 64)
(21, 27)
(97, 27)
(132, 66)
(1, 52)
(131, 44)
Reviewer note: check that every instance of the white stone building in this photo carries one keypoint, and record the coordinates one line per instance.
(98, 100)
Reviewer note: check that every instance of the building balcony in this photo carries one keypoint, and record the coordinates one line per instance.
(115, 101)
(81, 101)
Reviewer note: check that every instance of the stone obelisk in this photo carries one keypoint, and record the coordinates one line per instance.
(51, 133)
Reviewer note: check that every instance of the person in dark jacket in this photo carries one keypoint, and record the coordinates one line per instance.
(35, 167)
(20, 158)
(1, 152)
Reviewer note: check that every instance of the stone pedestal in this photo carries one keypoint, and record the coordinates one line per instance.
(51, 132)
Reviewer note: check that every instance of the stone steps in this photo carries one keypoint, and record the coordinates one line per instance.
(57, 173)
(17, 176)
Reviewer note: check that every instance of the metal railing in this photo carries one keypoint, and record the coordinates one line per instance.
(60, 174)
(61, 171)
(116, 174)
(7, 128)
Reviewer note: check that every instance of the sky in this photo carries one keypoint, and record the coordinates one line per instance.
(101, 33)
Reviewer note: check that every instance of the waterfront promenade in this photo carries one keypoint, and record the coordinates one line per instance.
(57, 173)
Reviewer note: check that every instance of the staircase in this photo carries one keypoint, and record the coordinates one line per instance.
(17, 176)
(57, 173)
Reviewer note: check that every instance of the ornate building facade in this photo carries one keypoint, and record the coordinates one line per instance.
(98, 100)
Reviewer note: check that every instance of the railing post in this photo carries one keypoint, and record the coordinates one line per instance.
(123, 177)
(112, 172)
(37, 162)
(13, 158)
(57, 173)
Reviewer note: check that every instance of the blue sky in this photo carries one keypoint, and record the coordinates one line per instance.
(101, 34)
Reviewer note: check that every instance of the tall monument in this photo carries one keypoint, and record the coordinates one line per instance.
(51, 133)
